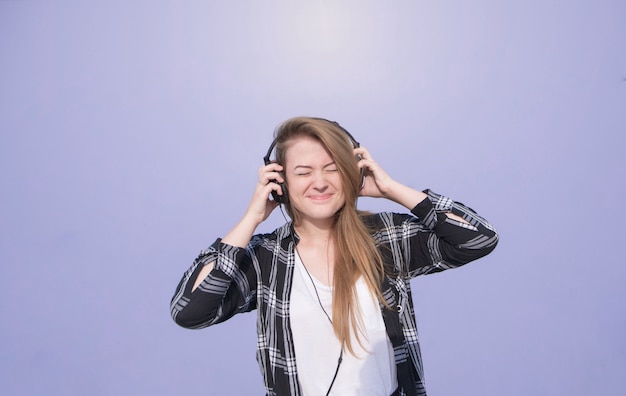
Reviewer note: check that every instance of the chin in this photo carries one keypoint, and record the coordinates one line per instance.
(319, 212)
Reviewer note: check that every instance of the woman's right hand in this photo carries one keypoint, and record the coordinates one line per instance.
(261, 206)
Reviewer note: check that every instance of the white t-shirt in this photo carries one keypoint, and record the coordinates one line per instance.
(371, 372)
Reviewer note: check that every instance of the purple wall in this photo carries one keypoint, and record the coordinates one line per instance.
(131, 134)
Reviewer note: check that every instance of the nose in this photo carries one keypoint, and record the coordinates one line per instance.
(319, 181)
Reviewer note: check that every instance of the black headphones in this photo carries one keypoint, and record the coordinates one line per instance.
(284, 199)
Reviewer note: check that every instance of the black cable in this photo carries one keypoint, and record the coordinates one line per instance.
(336, 371)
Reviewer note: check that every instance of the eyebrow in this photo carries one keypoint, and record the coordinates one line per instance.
(310, 167)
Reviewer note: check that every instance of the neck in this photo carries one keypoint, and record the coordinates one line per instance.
(314, 231)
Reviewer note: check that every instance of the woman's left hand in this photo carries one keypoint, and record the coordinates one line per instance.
(376, 182)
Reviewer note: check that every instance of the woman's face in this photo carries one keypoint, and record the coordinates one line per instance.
(314, 183)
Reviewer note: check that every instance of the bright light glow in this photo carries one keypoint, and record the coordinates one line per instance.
(332, 42)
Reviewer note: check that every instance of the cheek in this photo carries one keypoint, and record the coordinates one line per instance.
(295, 185)
(337, 182)
(295, 188)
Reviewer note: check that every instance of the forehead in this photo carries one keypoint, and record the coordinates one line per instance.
(305, 149)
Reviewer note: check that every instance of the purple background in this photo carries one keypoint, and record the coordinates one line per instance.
(131, 135)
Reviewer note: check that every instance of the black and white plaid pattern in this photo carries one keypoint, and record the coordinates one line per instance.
(259, 277)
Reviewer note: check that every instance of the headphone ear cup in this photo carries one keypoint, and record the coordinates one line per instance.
(281, 199)
(362, 178)
(284, 199)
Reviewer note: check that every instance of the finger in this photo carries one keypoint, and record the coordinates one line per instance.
(271, 187)
(362, 152)
(367, 165)
(271, 178)
(276, 187)
(272, 167)
(267, 176)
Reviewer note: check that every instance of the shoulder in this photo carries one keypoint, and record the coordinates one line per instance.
(270, 239)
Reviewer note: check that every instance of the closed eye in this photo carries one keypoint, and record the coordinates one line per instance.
(305, 170)
(331, 167)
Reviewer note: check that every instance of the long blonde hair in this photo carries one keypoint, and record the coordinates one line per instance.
(356, 254)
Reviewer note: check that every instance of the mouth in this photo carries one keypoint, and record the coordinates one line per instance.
(320, 197)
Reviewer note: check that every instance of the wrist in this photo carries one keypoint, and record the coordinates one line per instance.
(250, 221)
(241, 234)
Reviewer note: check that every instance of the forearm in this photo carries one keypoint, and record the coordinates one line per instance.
(197, 309)
(184, 307)
(241, 234)
(404, 195)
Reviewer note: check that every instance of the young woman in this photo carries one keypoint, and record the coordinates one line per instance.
(331, 287)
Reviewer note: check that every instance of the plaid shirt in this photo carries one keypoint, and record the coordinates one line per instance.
(260, 276)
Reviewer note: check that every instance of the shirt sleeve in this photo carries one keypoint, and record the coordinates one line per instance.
(439, 242)
(229, 288)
